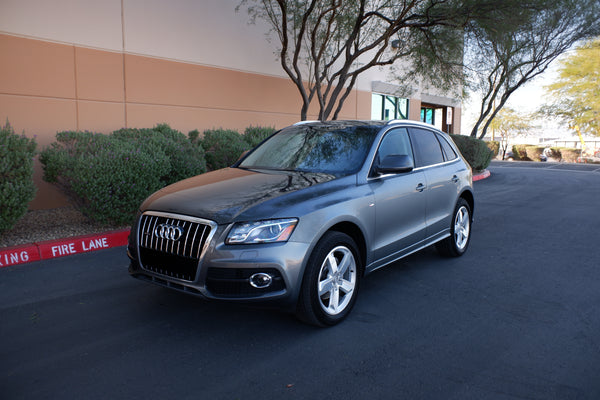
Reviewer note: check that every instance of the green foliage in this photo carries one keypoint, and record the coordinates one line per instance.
(194, 136)
(520, 152)
(16, 176)
(494, 146)
(534, 152)
(509, 123)
(185, 159)
(69, 146)
(518, 43)
(475, 151)
(253, 135)
(108, 176)
(577, 99)
(222, 147)
(342, 39)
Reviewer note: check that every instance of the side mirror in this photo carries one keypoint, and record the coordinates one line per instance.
(395, 164)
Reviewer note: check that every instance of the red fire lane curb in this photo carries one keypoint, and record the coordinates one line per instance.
(481, 175)
(61, 247)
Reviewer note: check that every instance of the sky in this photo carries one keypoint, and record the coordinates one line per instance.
(527, 99)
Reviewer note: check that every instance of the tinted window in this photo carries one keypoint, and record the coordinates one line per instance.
(395, 142)
(449, 152)
(334, 149)
(427, 147)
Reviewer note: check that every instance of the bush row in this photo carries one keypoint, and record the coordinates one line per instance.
(224, 146)
(108, 176)
(475, 151)
(526, 152)
(16, 176)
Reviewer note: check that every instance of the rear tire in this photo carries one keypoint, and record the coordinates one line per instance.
(460, 231)
(331, 281)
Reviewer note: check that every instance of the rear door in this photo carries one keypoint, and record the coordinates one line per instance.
(438, 161)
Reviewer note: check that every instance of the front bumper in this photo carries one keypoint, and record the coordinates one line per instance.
(223, 272)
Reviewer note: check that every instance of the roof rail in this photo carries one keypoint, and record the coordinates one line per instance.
(393, 121)
(409, 121)
(305, 122)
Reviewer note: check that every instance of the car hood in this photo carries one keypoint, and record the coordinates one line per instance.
(225, 194)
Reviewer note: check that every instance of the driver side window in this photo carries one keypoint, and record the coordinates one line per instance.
(395, 142)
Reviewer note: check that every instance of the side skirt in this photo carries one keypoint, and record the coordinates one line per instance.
(375, 265)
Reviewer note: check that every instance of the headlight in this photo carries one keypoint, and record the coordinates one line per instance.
(275, 230)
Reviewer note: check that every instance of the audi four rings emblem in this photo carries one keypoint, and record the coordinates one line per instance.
(166, 231)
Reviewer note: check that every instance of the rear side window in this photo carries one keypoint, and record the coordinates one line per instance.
(427, 148)
(449, 152)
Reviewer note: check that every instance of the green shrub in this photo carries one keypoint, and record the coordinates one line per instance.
(222, 147)
(534, 152)
(109, 176)
(570, 155)
(105, 176)
(254, 135)
(520, 152)
(186, 159)
(475, 151)
(494, 146)
(16, 176)
(68, 148)
(194, 136)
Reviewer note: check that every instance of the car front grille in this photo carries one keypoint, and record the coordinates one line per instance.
(172, 245)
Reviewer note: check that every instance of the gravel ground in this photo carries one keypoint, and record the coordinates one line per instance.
(57, 223)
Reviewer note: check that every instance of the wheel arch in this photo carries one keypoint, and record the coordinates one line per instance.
(470, 199)
(357, 235)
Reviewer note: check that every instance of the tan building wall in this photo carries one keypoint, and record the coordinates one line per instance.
(103, 65)
(48, 87)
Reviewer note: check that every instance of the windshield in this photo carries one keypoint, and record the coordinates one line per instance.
(337, 150)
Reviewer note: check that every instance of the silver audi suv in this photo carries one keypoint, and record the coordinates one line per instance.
(300, 220)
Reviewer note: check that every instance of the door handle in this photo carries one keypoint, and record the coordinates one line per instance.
(420, 187)
(455, 179)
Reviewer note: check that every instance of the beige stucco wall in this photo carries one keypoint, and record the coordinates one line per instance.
(102, 65)
(48, 87)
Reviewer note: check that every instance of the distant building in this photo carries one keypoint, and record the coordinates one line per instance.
(103, 65)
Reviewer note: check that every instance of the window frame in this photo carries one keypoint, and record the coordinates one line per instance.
(395, 100)
(443, 140)
(419, 163)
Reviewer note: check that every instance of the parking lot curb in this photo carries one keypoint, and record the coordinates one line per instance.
(49, 249)
(481, 175)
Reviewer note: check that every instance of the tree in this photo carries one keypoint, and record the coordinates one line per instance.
(324, 45)
(503, 56)
(508, 124)
(576, 97)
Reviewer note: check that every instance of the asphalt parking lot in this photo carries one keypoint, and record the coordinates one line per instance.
(515, 318)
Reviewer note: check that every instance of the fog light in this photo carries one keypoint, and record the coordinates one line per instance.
(261, 280)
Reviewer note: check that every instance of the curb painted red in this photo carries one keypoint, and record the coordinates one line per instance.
(61, 247)
(482, 175)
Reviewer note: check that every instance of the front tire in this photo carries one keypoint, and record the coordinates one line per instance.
(460, 231)
(331, 281)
